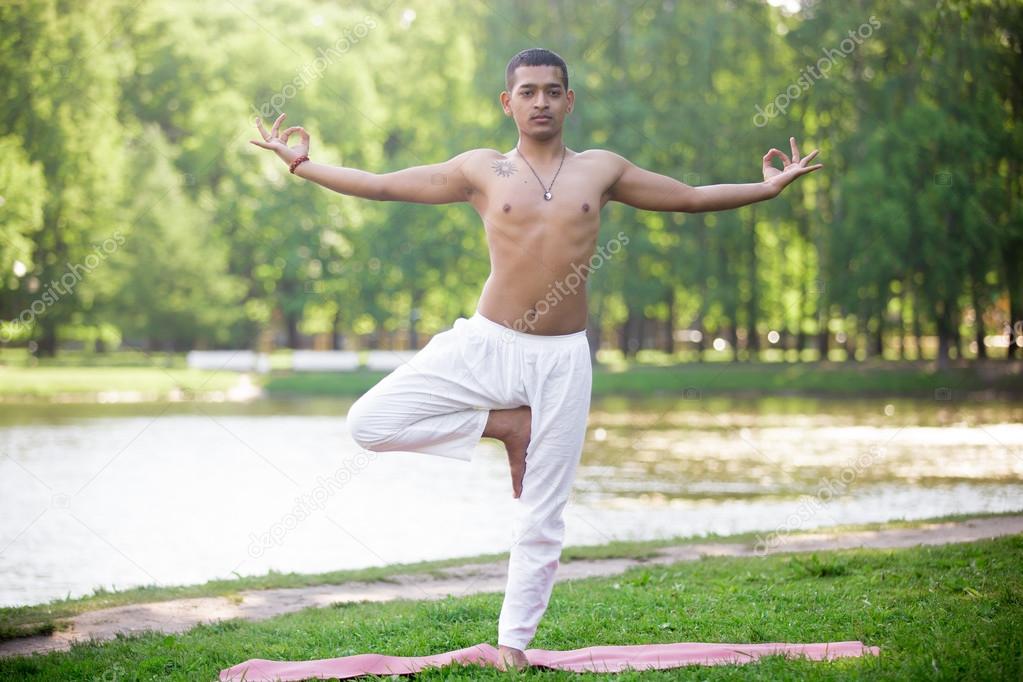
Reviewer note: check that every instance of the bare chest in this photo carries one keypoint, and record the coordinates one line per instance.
(515, 204)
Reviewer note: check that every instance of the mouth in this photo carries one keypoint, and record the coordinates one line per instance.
(542, 119)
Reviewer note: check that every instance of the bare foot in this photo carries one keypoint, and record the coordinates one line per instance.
(511, 659)
(513, 428)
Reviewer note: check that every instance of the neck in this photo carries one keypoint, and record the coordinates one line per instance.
(541, 151)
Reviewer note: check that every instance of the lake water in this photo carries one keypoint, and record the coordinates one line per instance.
(122, 495)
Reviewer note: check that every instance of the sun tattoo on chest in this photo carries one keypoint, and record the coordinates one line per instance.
(504, 168)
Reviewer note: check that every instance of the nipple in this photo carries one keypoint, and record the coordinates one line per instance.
(586, 208)
(507, 207)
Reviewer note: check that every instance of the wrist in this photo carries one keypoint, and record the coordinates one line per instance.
(297, 161)
(774, 187)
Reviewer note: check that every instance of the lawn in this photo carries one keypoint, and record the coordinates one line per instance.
(697, 380)
(948, 612)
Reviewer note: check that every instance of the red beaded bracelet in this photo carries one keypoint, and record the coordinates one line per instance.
(300, 159)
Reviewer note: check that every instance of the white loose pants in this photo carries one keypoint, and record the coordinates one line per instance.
(438, 403)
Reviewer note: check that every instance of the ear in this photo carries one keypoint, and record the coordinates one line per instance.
(506, 102)
(570, 96)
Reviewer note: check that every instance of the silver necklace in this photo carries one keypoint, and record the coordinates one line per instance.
(546, 190)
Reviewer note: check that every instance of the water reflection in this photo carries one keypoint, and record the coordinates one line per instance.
(120, 495)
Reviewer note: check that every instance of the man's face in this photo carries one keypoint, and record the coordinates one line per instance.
(538, 101)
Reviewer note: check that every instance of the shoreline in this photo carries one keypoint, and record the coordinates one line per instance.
(984, 382)
(56, 624)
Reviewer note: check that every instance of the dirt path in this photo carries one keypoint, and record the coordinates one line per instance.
(182, 614)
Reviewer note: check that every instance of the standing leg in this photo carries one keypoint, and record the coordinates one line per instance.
(560, 398)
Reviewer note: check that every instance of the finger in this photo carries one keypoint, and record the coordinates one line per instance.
(775, 153)
(795, 149)
(809, 169)
(809, 157)
(288, 131)
(264, 145)
(262, 130)
(277, 124)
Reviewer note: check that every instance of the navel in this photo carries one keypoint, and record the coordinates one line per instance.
(586, 208)
(507, 207)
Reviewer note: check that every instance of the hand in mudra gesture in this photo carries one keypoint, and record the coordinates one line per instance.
(279, 142)
(792, 168)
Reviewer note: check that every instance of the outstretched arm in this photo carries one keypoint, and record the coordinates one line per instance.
(651, 191)
(439, 183)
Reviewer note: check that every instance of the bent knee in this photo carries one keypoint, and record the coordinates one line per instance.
(364, 428)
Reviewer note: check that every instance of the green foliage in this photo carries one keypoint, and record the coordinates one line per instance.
(133, 118)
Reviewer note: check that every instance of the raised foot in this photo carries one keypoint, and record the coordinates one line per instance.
(511, 659)
(513, 428)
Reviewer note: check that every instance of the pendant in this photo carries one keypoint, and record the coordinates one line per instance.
(547, 196)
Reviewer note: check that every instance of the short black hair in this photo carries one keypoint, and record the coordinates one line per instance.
(535, 56)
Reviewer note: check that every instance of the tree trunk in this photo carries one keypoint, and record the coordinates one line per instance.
(640, 329)
(593, 330)
(336, 337)
(630, 334)
(46, 344)
(902, 319)
(733, 338)
(822, 340)
(918, 332)
(1014, 282)
(801, 337)
(752, 338)
(701, 345)
(978, 321)
(878, 337)
(669, 343)
(849, 345)
(944, 323)
(413, 317)
(291, 328)
(957, 339)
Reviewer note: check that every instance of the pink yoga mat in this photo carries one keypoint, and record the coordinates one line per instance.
(591, 659)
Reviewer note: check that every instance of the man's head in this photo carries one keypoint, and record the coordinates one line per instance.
(537, 86)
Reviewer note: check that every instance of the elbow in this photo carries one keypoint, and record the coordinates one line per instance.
(691, 201)
(691, 204)
(377, 189)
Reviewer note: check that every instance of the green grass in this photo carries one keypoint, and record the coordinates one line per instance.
(895, 379)
(950, 612)
(84, 374)
(21, 621)
(48, 382)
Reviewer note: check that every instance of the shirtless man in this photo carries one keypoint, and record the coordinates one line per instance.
(540, 205)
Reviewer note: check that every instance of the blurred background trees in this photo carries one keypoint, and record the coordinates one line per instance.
(134, 213)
